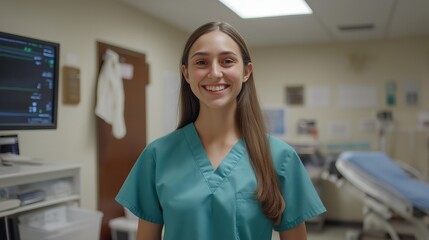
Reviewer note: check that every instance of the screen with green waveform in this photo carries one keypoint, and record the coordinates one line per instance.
(28, 82)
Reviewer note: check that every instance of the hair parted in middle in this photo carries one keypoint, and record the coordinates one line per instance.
(249, 120)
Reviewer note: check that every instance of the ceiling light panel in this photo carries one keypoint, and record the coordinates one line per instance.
(267, 8)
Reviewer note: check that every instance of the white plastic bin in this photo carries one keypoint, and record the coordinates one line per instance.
(60, 223)
(123, 228)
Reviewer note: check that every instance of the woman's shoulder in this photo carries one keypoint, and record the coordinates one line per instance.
(282, 153)
(277, 145)
(173, 140)
(170, 138)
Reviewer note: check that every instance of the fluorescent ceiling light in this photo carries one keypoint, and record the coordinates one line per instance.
(267, 8)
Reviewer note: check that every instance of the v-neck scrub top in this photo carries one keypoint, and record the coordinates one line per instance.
(173, 183)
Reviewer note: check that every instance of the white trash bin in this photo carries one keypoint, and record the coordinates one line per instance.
(60, 223)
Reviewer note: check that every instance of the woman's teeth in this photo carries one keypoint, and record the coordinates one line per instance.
(215, 88)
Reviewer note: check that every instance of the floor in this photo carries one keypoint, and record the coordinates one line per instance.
(335, 232)
(327, 233)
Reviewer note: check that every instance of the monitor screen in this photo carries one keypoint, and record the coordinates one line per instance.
(28, 83)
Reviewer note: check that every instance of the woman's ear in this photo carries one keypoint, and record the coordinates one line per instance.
(247, 71)
(185, 73)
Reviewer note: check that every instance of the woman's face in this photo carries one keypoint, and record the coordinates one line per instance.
(216, 71)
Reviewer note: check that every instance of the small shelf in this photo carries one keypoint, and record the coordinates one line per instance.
(40, 204)
(50, 177)
(60, 181)
(22, 174)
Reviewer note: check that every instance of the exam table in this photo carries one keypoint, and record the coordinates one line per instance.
(395, 201)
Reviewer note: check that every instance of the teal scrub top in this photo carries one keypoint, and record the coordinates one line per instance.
(173, 183)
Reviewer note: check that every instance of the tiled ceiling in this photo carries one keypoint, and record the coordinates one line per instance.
(331, 21)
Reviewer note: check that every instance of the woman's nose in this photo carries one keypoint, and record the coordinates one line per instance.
(215, 71)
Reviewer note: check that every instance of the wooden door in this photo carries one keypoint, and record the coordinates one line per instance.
(117, 156)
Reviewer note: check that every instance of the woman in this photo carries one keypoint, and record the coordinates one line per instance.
(219, 175)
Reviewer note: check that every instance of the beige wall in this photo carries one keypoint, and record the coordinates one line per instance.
(329, 65)
(77, 25)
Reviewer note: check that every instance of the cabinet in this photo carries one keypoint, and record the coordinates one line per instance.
(59, 181)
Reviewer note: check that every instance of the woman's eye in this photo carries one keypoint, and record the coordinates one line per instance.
(200, 62)
(228, 61)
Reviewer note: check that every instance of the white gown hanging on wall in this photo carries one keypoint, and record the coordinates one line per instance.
(110, 94)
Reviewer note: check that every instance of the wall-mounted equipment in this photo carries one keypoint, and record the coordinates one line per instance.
(28, 83)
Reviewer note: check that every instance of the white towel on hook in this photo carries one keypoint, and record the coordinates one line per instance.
(110, 94)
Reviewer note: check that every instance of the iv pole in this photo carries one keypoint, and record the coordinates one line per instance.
(385, 119)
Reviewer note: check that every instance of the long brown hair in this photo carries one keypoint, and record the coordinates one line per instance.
(249, 120)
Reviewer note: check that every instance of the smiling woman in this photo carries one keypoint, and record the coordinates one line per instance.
(215, 71)
(219, 175)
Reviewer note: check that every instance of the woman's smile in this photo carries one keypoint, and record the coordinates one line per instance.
(217, 88)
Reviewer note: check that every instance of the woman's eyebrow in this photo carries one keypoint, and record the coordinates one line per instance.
(206, 54)
(228, 53)
(199, 54)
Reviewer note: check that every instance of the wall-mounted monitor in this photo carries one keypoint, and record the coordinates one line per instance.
(28, 83)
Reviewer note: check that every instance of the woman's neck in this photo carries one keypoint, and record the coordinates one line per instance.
(217, 125)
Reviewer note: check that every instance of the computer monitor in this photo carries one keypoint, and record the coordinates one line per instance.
(28, 83)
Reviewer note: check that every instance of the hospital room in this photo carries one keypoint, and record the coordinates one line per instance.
(93, 94)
